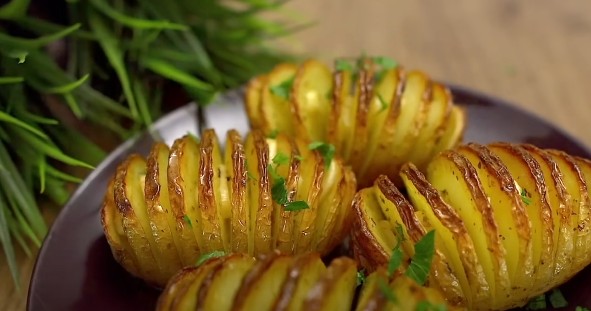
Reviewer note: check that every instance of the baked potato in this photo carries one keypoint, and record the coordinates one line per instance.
(511, 221)
(162, 213)
(377, 116)
(284, 282)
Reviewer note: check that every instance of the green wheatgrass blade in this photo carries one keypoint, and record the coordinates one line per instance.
(25, 115)
(51, 150)
(22, 43)
(133, 22)
(142, 102)
(4, 117)
(74, 107)
(110, 45)
(166, 70)
(15, 231)
(56, 190)
(51, 171)
(22, 222)
(43, 27)
(42, 170)
(10, 80)
(76, 144)
(68, 87)
(7, 242)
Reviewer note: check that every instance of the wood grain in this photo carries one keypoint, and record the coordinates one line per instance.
(534, 54)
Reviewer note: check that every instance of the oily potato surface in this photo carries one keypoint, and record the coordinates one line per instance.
(277, 281)
(378, 117)
(511, 221)
(161, 213)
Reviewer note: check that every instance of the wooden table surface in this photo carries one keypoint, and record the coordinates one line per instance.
(534, 54)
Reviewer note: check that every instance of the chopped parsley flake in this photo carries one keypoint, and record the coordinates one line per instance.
(425, 305)
(296, 206)
(283, 89)
(384, 287)
(420, 264)
(537, 303)
(524, 197)
(280, 158)
(361, 277)
(557, 300)
(383, 102)
(188, 220)
(385, 62)
(279, 192)
(205, 257)
(343, 65)
(273, 134)
(327, 151)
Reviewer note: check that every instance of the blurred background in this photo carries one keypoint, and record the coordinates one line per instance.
(532, 54)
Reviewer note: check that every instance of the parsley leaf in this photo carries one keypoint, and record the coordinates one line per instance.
(420, 264)
(326, 150)
(282, 89)
(188, 220)
(395, 260)
(383, 102)
(425, 305)
(385, 62)
(524, 197)
(557, 300)
(279, 191)
(205, 257)
(273, 134)
(343, 65)
(384, 287)
(296, 206)
(280, 158)
(361, 277)
(537, 303)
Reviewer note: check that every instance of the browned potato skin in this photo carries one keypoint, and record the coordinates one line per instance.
(371, 128)
(565, 217)
(161, 213)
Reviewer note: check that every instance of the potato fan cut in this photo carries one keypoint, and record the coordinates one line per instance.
(378, 116)
(256, 196)
(283, 282)
(511, 221)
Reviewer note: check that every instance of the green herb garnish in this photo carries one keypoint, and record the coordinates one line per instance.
(420, 264)
(524, 197)
(343, 65)
(205, 257)
(557, 300)
(425, 305)
(361, 277)
(298, 157)
(296, 206)
(250, 175)
(273, 134)
(279, 192)
(385, 62)
(385, 289)
(283, 89)
(188, 220)
(383, 102)
(280, 158)
(537, 303)
(327, 151)
(396, 257)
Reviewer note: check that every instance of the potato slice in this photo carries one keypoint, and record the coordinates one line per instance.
(276, 111)
(113, 228)
(253, 101)
(312, 98)
(526, 171)
(163, 222)
(262, 284)
(557, 198)
(129, 199)
(218, 289)
(451, 230)
(177, 286)
(186, 299)
(235, 162)
(335, 289)
(304, 272)
(365, 86)
(578, 200)
(454, 130)
(183, 179)
(344, 111)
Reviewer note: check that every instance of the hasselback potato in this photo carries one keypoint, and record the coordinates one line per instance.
(511, 221)
(377, 115)
(283, 282)
(162, 213)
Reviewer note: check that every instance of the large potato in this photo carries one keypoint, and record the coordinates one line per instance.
(282, 282)
(161, 213)
(511, 221)
(378, 117)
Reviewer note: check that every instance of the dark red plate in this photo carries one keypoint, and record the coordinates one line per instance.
(76, 271)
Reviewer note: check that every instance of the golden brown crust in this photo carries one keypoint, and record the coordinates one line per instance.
(366, 250)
